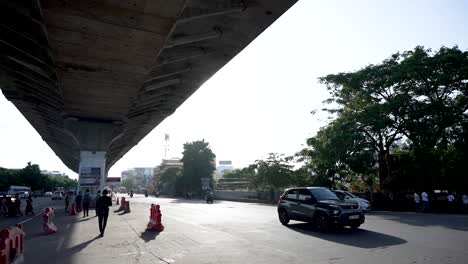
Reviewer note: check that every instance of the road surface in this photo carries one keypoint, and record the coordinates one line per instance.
(231, 232)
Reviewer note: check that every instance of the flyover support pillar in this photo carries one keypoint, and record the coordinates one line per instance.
(92, 171)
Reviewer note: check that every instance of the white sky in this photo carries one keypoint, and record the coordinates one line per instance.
(261, 101)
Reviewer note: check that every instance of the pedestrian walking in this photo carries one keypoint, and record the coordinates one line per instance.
(78, 201)
(29, 206)
(425, 200)
(102, 205)
(417, 202)
(67, 201)
(97, 197)
(10, 207)
(86, 200)
(17, 205)
(451, 202)
(3, 206)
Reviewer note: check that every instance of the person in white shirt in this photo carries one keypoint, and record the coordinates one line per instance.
(425, 200)
(451, 202)
(417, 202)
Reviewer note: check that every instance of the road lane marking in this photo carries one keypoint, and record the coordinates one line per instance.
(22, 222)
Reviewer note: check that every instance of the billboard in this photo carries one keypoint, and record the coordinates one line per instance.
(90, 176)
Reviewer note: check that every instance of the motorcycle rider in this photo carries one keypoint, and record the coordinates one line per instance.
(208, 195)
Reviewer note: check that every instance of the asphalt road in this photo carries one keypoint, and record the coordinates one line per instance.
(231, 232)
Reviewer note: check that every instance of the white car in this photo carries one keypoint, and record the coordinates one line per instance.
(344, 195)
(57, 196)
(48, 194)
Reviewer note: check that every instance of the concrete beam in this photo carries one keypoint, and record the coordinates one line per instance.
(164, 74)
(187, 16)
(177, 41)
(155, 86)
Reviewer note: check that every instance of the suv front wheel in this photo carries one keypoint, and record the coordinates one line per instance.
(283, 217)
(321, 222)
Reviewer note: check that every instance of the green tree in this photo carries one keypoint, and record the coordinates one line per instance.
(338, 152)
(274, 173)
(198, 162)
(169, 177)
(415, 95)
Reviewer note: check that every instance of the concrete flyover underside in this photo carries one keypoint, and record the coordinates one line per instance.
(99, 75)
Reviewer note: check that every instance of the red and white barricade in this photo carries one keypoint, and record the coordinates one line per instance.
(11, 244)
(155, 219)
(48, 221)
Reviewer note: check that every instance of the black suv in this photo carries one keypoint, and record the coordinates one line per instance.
(320, 206)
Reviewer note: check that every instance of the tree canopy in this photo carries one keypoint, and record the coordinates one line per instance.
(32, 177)
(417, 99)
(198, 162)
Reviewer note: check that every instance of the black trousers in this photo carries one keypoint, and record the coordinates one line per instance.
(102, 219)
(85, 209)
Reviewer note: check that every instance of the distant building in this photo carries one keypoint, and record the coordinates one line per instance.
(223, 167)
(53, 173)
(141, 176)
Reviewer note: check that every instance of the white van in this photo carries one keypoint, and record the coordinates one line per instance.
(23, 191)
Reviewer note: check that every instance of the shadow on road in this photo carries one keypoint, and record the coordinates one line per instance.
(75, 249)
(357, 238)
(456, 222)
(148, 235)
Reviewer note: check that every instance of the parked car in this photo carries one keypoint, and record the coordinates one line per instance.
(319, 206)
(57, 196)
(48, 194)
(344, 195)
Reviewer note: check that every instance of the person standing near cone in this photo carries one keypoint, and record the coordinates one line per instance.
(86, 200)
(102, 207)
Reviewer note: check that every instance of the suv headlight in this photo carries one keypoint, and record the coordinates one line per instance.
(335, 209)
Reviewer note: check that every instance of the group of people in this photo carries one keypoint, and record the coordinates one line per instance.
(422, 203)
(12, 206)
(82, 203)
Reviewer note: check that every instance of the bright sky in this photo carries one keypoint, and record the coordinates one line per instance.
(261, 101)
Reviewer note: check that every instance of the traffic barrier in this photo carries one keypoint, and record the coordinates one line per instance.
(155, 219)
(122, 204)
(11, 244)
(48, 221)
(73, 209)
(127, 207)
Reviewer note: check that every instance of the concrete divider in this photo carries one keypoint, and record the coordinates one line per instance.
(248, 196)
(11, 244)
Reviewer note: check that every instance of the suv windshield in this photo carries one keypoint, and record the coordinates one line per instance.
(350, 194)
(323, 194)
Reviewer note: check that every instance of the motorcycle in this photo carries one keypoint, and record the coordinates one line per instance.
(131, 194)
(188, 196)
(156, 194)
(209, 198)
(146, 194)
